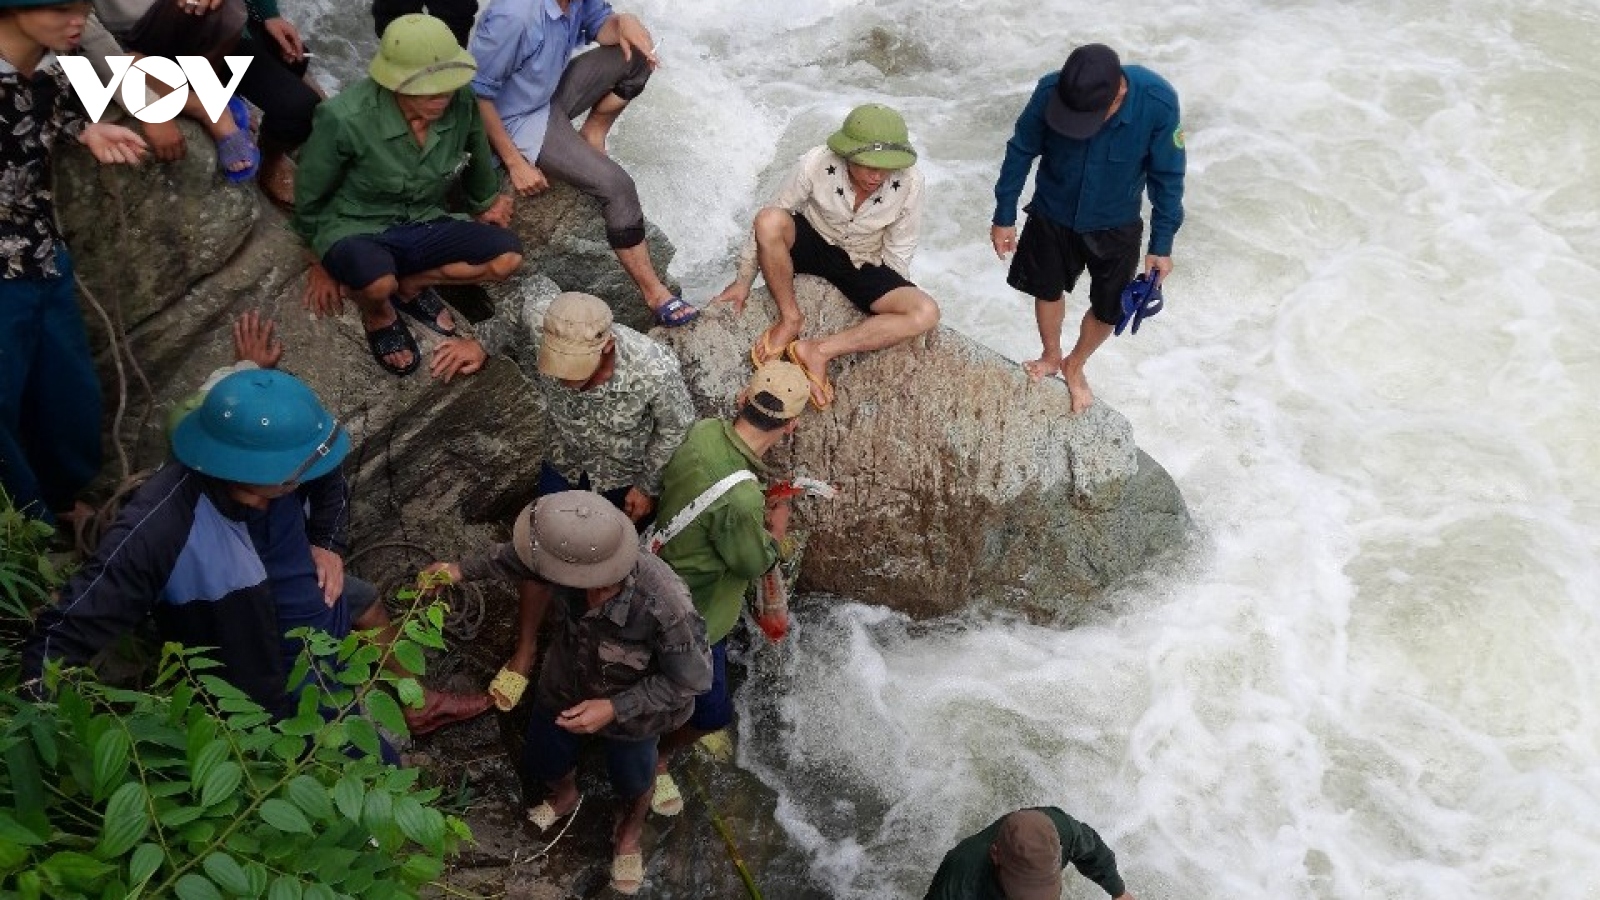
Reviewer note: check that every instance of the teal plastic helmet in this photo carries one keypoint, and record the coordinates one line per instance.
(874, 136)
(261, 427)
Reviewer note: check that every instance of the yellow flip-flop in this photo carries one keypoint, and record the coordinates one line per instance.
(761, 352)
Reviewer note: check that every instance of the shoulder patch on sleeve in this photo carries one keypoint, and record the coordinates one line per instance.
(1177, 137)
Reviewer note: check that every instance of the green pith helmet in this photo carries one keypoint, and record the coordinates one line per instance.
(419, 55)
(874, 136)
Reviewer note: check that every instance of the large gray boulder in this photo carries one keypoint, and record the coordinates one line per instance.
(960, 481)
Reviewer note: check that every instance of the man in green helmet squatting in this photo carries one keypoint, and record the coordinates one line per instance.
(850, 213)
(370, 198)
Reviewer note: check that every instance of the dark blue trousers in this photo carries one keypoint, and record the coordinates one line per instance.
(49, 394)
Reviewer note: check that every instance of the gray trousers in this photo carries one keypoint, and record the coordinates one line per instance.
(566, 156)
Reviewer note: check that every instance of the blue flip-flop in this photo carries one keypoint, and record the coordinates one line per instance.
(1141, 299)
(675, 312)
(239, 146)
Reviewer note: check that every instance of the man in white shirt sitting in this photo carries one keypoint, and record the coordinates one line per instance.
(850, 213)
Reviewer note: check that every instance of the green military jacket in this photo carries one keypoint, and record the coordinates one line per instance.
(968, 873)
(728, 546)
(362, 172)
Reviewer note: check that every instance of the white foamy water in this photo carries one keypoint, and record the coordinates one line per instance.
(1375, 381)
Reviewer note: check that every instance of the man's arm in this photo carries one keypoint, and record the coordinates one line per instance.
(1082, 846)
(622, 30)
(500, 562)
(328, 516)
(1027, 142)
(319, 172)
(479, 182)
(791, 195)
(1164, 174)
(900, 241)
(673, 413)
(739, 535)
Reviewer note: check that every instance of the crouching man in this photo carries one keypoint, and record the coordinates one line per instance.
(627, 657)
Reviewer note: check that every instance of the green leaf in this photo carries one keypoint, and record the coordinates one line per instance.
(257, 875)
(110, 762)
(414, 822)
(126, 821)
(195, 886)
(74, 870)
(411, 656)
(303, 725)
(221, 689)
(15, 832)
(146, 862)
(348, 795)
(178, 816)
(377, 813)
(363, 735)
(320, 892)
(203, 763)
(199, 833)
(289, 748)
(27, 787)
(421, 869)
(284, 888)
(284, 816)
(410, 691)
(220, 783)
(226, 872)
(12, 856)
(383, 708)
(333, 736)
(309, 794)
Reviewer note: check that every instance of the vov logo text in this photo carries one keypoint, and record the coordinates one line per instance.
(186, 73)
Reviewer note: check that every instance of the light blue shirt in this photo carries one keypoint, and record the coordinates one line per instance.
(522, 47)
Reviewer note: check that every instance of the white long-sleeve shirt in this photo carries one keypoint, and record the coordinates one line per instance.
(883, 231)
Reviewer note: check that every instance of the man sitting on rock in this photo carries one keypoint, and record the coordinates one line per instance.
(529, 93)
(718, 531)
(617, 408)
(371, 188)
(234, 545)
(849, 213)
(627, 657)
(1020, 857)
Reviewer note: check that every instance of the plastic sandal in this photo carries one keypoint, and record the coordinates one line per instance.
(675, 313)
(394, 338)
(239, 146)
(762, 352)
(425, 308)
(668, 800)
(819, 383)
(627, 873)
(507, 689)
(544, 815)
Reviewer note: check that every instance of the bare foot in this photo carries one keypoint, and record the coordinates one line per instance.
(1042, 368)
(1077, 388)
(400, 359)
(806, 355)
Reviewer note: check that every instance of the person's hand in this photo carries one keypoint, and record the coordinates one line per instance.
(588, 717)
(330, 574)
(526, 178)
(736, 293)
(1161, 264)
(165, 140)
(457, 356)
(253, 340)
(287, 37)
(1004, 238)
(778, 517)
(429, 577)
(636, 504)
(198, 7)
(323, 296)
(114, 144)
(633, 36)
(498, 213)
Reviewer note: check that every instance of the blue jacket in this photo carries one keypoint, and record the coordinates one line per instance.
(1093, 184)
(182, 551)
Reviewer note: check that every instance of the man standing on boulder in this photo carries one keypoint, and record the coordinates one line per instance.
(850, 213)
(627, 657)
(616, 407)
(1103, 132)
(718, 531)
(530, 87)
(1020, 857)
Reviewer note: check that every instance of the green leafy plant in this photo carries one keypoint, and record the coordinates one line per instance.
(26, 574)
(192, 790)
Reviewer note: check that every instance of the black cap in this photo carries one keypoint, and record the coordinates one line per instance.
(1088, 86)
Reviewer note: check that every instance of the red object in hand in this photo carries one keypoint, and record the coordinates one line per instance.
(772, 605)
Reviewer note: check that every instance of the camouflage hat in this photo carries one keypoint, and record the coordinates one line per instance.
(577, 539)
(574, 334)
(779, 389)
(1027, 855)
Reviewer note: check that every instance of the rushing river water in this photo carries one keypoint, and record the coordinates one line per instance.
(1376, 383)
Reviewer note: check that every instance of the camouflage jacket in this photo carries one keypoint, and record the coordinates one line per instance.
(645, 649)
(621, 432)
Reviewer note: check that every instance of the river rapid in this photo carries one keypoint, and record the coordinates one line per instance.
(1375, 382)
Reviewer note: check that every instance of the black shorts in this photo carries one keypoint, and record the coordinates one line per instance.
(1050, 258)
(861, 286)
(361, 259)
